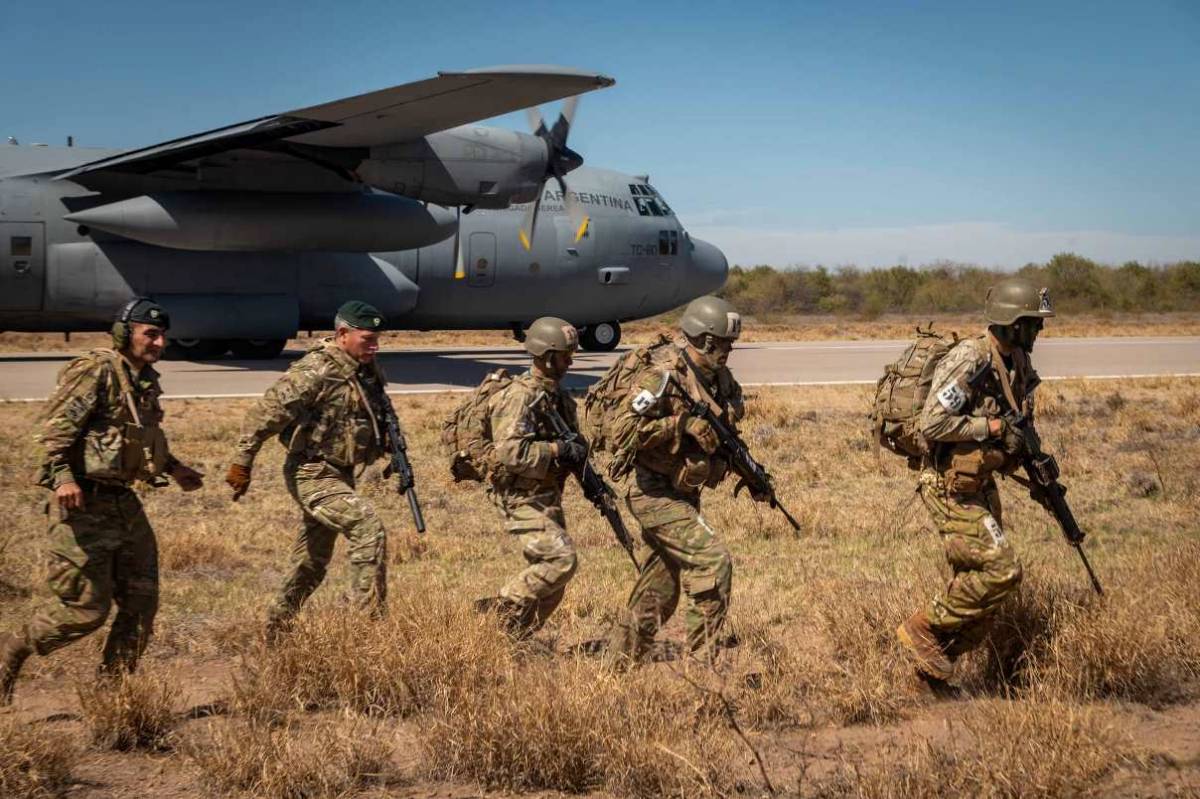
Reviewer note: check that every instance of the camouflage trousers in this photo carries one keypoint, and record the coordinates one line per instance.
(685, 554)
(985, 568)
(537, 519)
(331, 508)
(100, 555)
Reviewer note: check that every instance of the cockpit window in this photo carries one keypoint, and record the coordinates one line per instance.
(648, 201)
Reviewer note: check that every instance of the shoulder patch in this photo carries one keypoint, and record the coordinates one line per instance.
(952, 397)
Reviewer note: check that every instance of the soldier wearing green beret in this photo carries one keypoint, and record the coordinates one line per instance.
(99, 434)
(328, 411)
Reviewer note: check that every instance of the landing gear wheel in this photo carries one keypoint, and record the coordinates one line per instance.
(600, 337)
(256, 349)
(195, 349)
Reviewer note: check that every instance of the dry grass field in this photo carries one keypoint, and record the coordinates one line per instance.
(1075, 696)
(797, 328)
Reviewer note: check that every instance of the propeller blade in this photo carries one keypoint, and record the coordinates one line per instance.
(575, 212)
(536, 124)
(529, 223)
(562, 127)
(459, 272)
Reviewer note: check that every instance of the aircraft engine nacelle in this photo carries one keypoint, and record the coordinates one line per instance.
(473, 165)
(228, 221)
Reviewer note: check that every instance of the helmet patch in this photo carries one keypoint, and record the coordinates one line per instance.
(1044, 300)
(733, 325)
(571, 335)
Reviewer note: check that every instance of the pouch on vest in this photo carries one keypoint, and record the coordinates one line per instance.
(970, 466)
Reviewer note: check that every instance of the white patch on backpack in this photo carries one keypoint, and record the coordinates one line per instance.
(644, 401)
(952, 397)
(993, 528)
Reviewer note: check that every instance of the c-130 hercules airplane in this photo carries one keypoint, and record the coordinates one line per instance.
(251, 232)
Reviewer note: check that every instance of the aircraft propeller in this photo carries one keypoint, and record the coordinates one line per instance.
(560, 160)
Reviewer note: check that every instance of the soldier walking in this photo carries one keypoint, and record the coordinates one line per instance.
(101, 433)
(978, 382)
(327, 410)
(532, 465)
(673, 456)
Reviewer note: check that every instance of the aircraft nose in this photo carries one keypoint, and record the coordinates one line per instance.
(709, 267)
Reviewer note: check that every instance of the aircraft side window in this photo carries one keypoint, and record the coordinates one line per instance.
(21, 246)
(654, 209)
(673, 237)
(664, 242)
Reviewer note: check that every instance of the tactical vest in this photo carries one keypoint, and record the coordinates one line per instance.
(968, 466)
(122, 441)
(342, 426)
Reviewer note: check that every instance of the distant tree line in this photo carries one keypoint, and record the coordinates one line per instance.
(1076, 284)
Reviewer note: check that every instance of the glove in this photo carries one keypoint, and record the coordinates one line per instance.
(571, 452)
(703, 433)
(238, 479)
(1012, 439)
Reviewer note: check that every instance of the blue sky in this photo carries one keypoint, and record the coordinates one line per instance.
(790, 133)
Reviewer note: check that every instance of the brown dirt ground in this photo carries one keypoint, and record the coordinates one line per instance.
(799, 328)
(1128, 449)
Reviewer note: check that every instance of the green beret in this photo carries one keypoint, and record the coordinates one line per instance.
(359, 314)
(145, 311)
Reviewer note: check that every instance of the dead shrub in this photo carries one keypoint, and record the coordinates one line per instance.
(570, 727)
(391, 666)
(328, 760)
(132, 711)
(998, 748)
(35, 762)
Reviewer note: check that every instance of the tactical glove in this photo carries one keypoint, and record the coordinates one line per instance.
(238, 479)
(703, 433)
(571, 452)
(1012, 439)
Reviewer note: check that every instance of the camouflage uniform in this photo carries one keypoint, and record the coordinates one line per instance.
(958, 486)
(527, 486)
(101, 431)
(327, 411)
(670, 470)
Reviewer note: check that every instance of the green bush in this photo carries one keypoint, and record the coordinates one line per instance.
(1076, 284)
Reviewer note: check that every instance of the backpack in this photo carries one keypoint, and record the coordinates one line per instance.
(467, 431)
(604, 400)
(901, 393)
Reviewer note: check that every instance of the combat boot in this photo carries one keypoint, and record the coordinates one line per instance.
(923, 646)
(14, 650)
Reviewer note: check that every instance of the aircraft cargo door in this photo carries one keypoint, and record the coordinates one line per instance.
(481, 265)
(22, 266)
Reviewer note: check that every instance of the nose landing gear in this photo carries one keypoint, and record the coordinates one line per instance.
(600, 337)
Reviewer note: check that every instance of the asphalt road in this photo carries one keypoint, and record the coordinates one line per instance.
(30, 376)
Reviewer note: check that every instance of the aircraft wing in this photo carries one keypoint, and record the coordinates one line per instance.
(387, 116)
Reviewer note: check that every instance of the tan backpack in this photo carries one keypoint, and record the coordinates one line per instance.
(901, 393)
(604, 400)
(467, 431)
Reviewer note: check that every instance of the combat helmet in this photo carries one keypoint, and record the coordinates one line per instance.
(1016, 298)
(711, 315)
(550, 333)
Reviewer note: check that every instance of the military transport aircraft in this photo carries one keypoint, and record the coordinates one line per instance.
(251, 232)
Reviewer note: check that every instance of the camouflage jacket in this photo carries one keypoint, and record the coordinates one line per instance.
(523, 434)
(102, 423)
(966, 391)
(654, 415)
(327, 406)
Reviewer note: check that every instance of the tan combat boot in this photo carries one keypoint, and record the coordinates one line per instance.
(923, 646)
(14, 649)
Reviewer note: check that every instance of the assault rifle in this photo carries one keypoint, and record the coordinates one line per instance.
(752, 473)
(1042, 472)
(398, 464)
(594, 487)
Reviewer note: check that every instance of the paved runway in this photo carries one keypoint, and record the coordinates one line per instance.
(31, 376)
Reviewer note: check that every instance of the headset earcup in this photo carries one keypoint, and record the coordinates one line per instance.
(120, 335)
